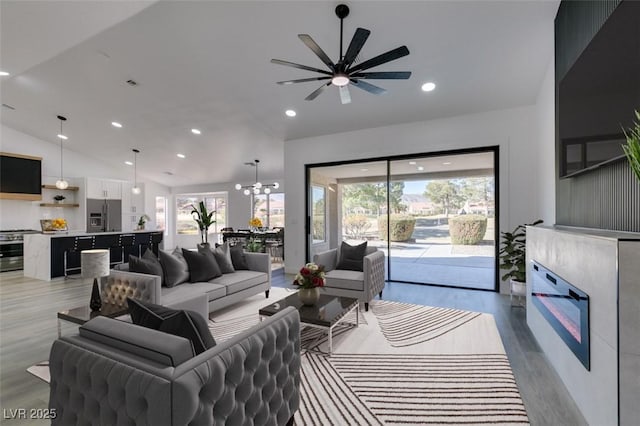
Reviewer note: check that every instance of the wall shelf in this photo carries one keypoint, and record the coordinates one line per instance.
(59, 205)
(70, 188)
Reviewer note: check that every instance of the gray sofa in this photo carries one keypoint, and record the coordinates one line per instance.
(202, 297)
(117, 373)
(362, 285)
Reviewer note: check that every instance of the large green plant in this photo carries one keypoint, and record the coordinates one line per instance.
(514, 252)
(632, 148)
(204, 220)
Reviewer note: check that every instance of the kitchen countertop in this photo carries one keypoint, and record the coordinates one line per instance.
(83, 234)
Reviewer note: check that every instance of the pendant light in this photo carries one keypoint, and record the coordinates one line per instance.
(257, 186)
(61, 183)
(136, 188)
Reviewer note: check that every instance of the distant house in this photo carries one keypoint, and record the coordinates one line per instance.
(418, 204)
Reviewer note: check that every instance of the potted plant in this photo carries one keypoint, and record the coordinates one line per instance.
(142, 221)
(59, 199)
(632, 148)
(513, 258)
(204, 220)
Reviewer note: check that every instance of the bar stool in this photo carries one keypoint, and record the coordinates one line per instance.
(126, 242)
(80, 243)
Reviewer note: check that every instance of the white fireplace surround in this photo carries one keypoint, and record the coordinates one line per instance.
(605, 265)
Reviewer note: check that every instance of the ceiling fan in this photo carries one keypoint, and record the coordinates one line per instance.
(345, 72)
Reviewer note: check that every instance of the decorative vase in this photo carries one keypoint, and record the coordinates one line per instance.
(95, 303)
(309, 296)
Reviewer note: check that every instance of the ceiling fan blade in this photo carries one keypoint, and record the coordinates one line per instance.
(311, 44)
(383, 75)
(355, 46)
(345, 96)
(303, 80)
(316, 92)
(389, 56)
(302, 67)
(368, 87)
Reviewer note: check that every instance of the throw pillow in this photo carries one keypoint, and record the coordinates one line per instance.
(238, 258)
(202, 266)
(150, 255)
(223, 257)
(145, 266)
(351, 257)
(187, 324)
(174, 266)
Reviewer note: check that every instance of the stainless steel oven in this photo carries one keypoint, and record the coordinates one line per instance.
(11, 255)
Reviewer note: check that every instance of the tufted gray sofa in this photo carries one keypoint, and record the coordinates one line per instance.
(202, 297)
(117, 373)
(362, 285)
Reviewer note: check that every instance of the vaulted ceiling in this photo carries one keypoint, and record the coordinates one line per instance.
(206, 65)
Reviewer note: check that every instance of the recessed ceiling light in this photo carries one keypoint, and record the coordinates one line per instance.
(446, 163)
(290, 113)
(4, 73)
(427, 87)
(181, 156)
(420, 168)
(116, 124)
(63, 137)
(128, 163)
(196, 131)
(412, 163)
(364, 170)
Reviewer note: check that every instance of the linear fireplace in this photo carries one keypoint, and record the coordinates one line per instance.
(565, 307)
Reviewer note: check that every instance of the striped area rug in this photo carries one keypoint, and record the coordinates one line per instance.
(404, 365)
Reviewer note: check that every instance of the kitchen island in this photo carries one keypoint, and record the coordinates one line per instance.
(48, 256)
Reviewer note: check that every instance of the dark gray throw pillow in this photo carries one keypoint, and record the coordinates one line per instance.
(187, 324)
(145, 266)
(222, 253)
(238, 258)
(202, 265)
(174, 267)
(351, 257)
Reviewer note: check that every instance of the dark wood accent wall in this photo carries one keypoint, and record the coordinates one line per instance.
(609, 196)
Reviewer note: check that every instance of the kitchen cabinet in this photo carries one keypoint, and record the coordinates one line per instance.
(104, 189)
(132, 206)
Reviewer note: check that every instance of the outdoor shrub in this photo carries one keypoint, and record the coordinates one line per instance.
(401, 227)
(356, 225)
(467, 229)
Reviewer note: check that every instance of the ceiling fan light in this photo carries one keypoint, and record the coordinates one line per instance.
(62, 184)
(340, 80)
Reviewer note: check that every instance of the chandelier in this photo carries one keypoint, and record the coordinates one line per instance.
(257, 186)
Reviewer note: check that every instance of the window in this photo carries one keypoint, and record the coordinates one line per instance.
(161, 214)
(269, 208)
(216, 202)
(318, 209)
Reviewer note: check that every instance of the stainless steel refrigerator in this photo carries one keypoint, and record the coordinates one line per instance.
(104, 215)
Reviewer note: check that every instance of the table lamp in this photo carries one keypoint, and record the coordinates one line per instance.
(95, 264)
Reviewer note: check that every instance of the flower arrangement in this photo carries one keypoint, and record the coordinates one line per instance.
(310, 276)
(255, 222)
(58, 223)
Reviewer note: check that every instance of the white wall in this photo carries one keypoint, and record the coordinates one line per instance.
(513, 130)
(15, 214)
(545, 143)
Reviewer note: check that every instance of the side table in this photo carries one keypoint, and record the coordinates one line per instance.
(82, 314)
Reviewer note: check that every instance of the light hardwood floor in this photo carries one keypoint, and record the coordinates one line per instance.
(28, 327)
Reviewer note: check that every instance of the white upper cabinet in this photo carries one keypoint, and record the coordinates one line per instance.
(104, 189)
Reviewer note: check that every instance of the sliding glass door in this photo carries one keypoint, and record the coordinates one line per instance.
(433, 215)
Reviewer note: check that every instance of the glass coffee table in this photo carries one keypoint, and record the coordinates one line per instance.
(326, 314)
(82, 314)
